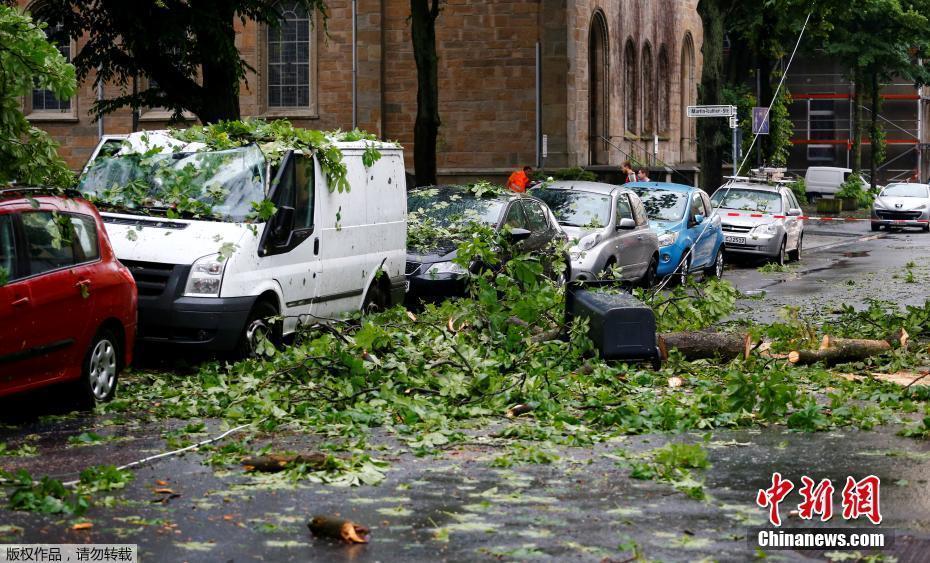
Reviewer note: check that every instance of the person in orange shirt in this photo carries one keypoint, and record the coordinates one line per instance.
(520, 179)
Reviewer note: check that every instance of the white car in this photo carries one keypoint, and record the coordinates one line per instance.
(902, 205)
(212, 282)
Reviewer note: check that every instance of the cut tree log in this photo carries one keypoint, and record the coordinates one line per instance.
(699, 345)
(905, 379)
(273, 463)
(835, 351)
(339, 529)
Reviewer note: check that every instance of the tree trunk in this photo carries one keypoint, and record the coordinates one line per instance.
(873, 133)
(219, 99)
(857, 124)
(423, 14)
(701, 345)
(711, 132)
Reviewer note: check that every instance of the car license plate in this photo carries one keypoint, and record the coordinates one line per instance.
(735, 240)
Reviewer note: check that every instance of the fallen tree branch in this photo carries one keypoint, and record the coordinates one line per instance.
(339, 529)
(699, 345)
(835, 351)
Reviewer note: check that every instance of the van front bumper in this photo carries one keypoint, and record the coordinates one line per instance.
(205, 323)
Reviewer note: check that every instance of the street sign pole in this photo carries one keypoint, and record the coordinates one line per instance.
(721, 111)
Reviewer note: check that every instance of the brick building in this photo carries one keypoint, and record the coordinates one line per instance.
(511, 72)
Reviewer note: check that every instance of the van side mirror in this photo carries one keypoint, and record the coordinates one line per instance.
(626, 224)
(516, 235)
(794, 212)
(282, 224)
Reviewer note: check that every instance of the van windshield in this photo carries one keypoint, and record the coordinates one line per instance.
(219, 185)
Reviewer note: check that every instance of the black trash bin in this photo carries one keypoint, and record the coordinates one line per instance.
(621, 326)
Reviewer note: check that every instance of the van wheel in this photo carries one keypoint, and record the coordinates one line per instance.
(100, 369)
(258, 327)
(376, 300)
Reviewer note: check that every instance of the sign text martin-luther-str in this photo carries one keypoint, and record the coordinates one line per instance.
(711, 111)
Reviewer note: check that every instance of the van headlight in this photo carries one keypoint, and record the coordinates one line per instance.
(206, 276)
(446, 268)
(668, 238)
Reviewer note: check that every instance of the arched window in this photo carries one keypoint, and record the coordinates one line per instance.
(649, 92)
(629, 87)
(598, 108)
(688, 98)
(43, 101)
(665, 92)
(289, 51)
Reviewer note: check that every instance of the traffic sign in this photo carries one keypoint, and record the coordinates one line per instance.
(711, 111)
(760, 121)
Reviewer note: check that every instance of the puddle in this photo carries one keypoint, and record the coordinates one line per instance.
(856, 254)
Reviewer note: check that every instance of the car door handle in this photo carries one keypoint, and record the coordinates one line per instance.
(316, 246)
(21, 301)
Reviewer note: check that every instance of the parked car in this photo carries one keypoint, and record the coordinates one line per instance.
(690, 236)
(437, 214)
(213, 278)
(761, 219)
(902, 205)
(67, 306)
(825, 181)
(608, 227)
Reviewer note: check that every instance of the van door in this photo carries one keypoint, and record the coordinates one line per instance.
(350, 257)
(290, 249)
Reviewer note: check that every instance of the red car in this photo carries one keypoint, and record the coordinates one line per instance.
(67, 306)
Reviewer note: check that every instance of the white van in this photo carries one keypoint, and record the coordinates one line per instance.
(211, 282)
(825, 181)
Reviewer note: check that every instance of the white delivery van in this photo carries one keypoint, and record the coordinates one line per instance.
(825, 181)
(211, 281)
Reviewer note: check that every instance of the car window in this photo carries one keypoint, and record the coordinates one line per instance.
(639, 211)
(536, 217)
(7, 249)
(303, 192)
(707, 206)
(697, 206)
(515, 218)
(86, 248)
(49, 241)
(624, 209)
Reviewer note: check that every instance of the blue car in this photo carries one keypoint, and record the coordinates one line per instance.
(682, 217)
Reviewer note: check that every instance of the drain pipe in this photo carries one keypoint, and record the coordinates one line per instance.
(100, 129)
(354, 64)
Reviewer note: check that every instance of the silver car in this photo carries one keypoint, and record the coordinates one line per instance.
(902, 205)
(760, 219)
(607, 227)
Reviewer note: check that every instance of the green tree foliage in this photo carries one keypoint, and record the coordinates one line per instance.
(187, 47)
(27, 61)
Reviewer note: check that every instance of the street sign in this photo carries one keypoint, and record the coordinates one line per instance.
(711, 111)
(734, 122)
(760, 121)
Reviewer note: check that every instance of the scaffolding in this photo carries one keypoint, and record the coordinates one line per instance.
(823, 115)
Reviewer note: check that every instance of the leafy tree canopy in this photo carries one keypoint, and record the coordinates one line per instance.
(28, 61)
(186, 48)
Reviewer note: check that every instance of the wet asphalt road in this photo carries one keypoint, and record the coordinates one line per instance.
(457, 507)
